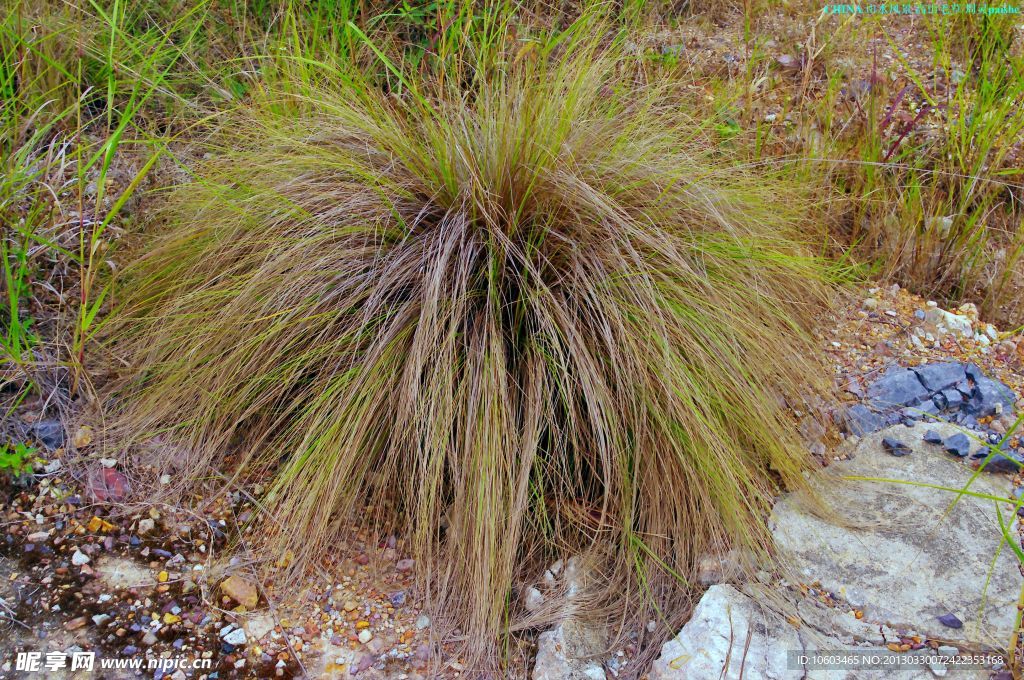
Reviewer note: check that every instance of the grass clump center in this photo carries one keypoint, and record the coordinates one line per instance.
(532, 317)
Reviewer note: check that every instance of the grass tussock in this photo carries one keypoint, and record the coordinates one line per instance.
(509, 319)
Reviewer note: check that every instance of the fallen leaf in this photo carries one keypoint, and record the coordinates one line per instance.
(108, 485)
(96, 525)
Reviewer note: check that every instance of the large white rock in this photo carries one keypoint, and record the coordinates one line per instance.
(732, 636)
(713, 644)
(569, 652)
(905, 553)
(939, 322)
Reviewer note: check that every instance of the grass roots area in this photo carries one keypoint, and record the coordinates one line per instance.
(520, 314)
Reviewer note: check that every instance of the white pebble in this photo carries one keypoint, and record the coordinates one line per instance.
(235, 637)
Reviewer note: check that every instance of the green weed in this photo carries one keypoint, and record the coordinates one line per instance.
(16, 460)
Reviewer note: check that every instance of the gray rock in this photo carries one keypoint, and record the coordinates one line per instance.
(921, 411)
(965, 387)
(897, 387)
(953, 398)
(989, 397)
(958, 444)
(569, 652)
(895, 447)
(910, 551)
(999, 460)
(932, 437)
(951, 621)
(940, 375)
(50, 433)
(860, 420)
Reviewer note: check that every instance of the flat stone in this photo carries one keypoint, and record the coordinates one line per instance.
(241, 590)
(860, 420)
(895, 447)
(908, 550)
(932, 437)
(121, 573)
(712, 643)
(568, 652)
(897, 387)
(938, 376)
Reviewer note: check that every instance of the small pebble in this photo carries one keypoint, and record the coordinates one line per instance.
(958, 444)
(895, 447)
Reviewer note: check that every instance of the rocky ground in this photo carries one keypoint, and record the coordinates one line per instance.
(75, 576)
(927, 402)
(910, 555)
